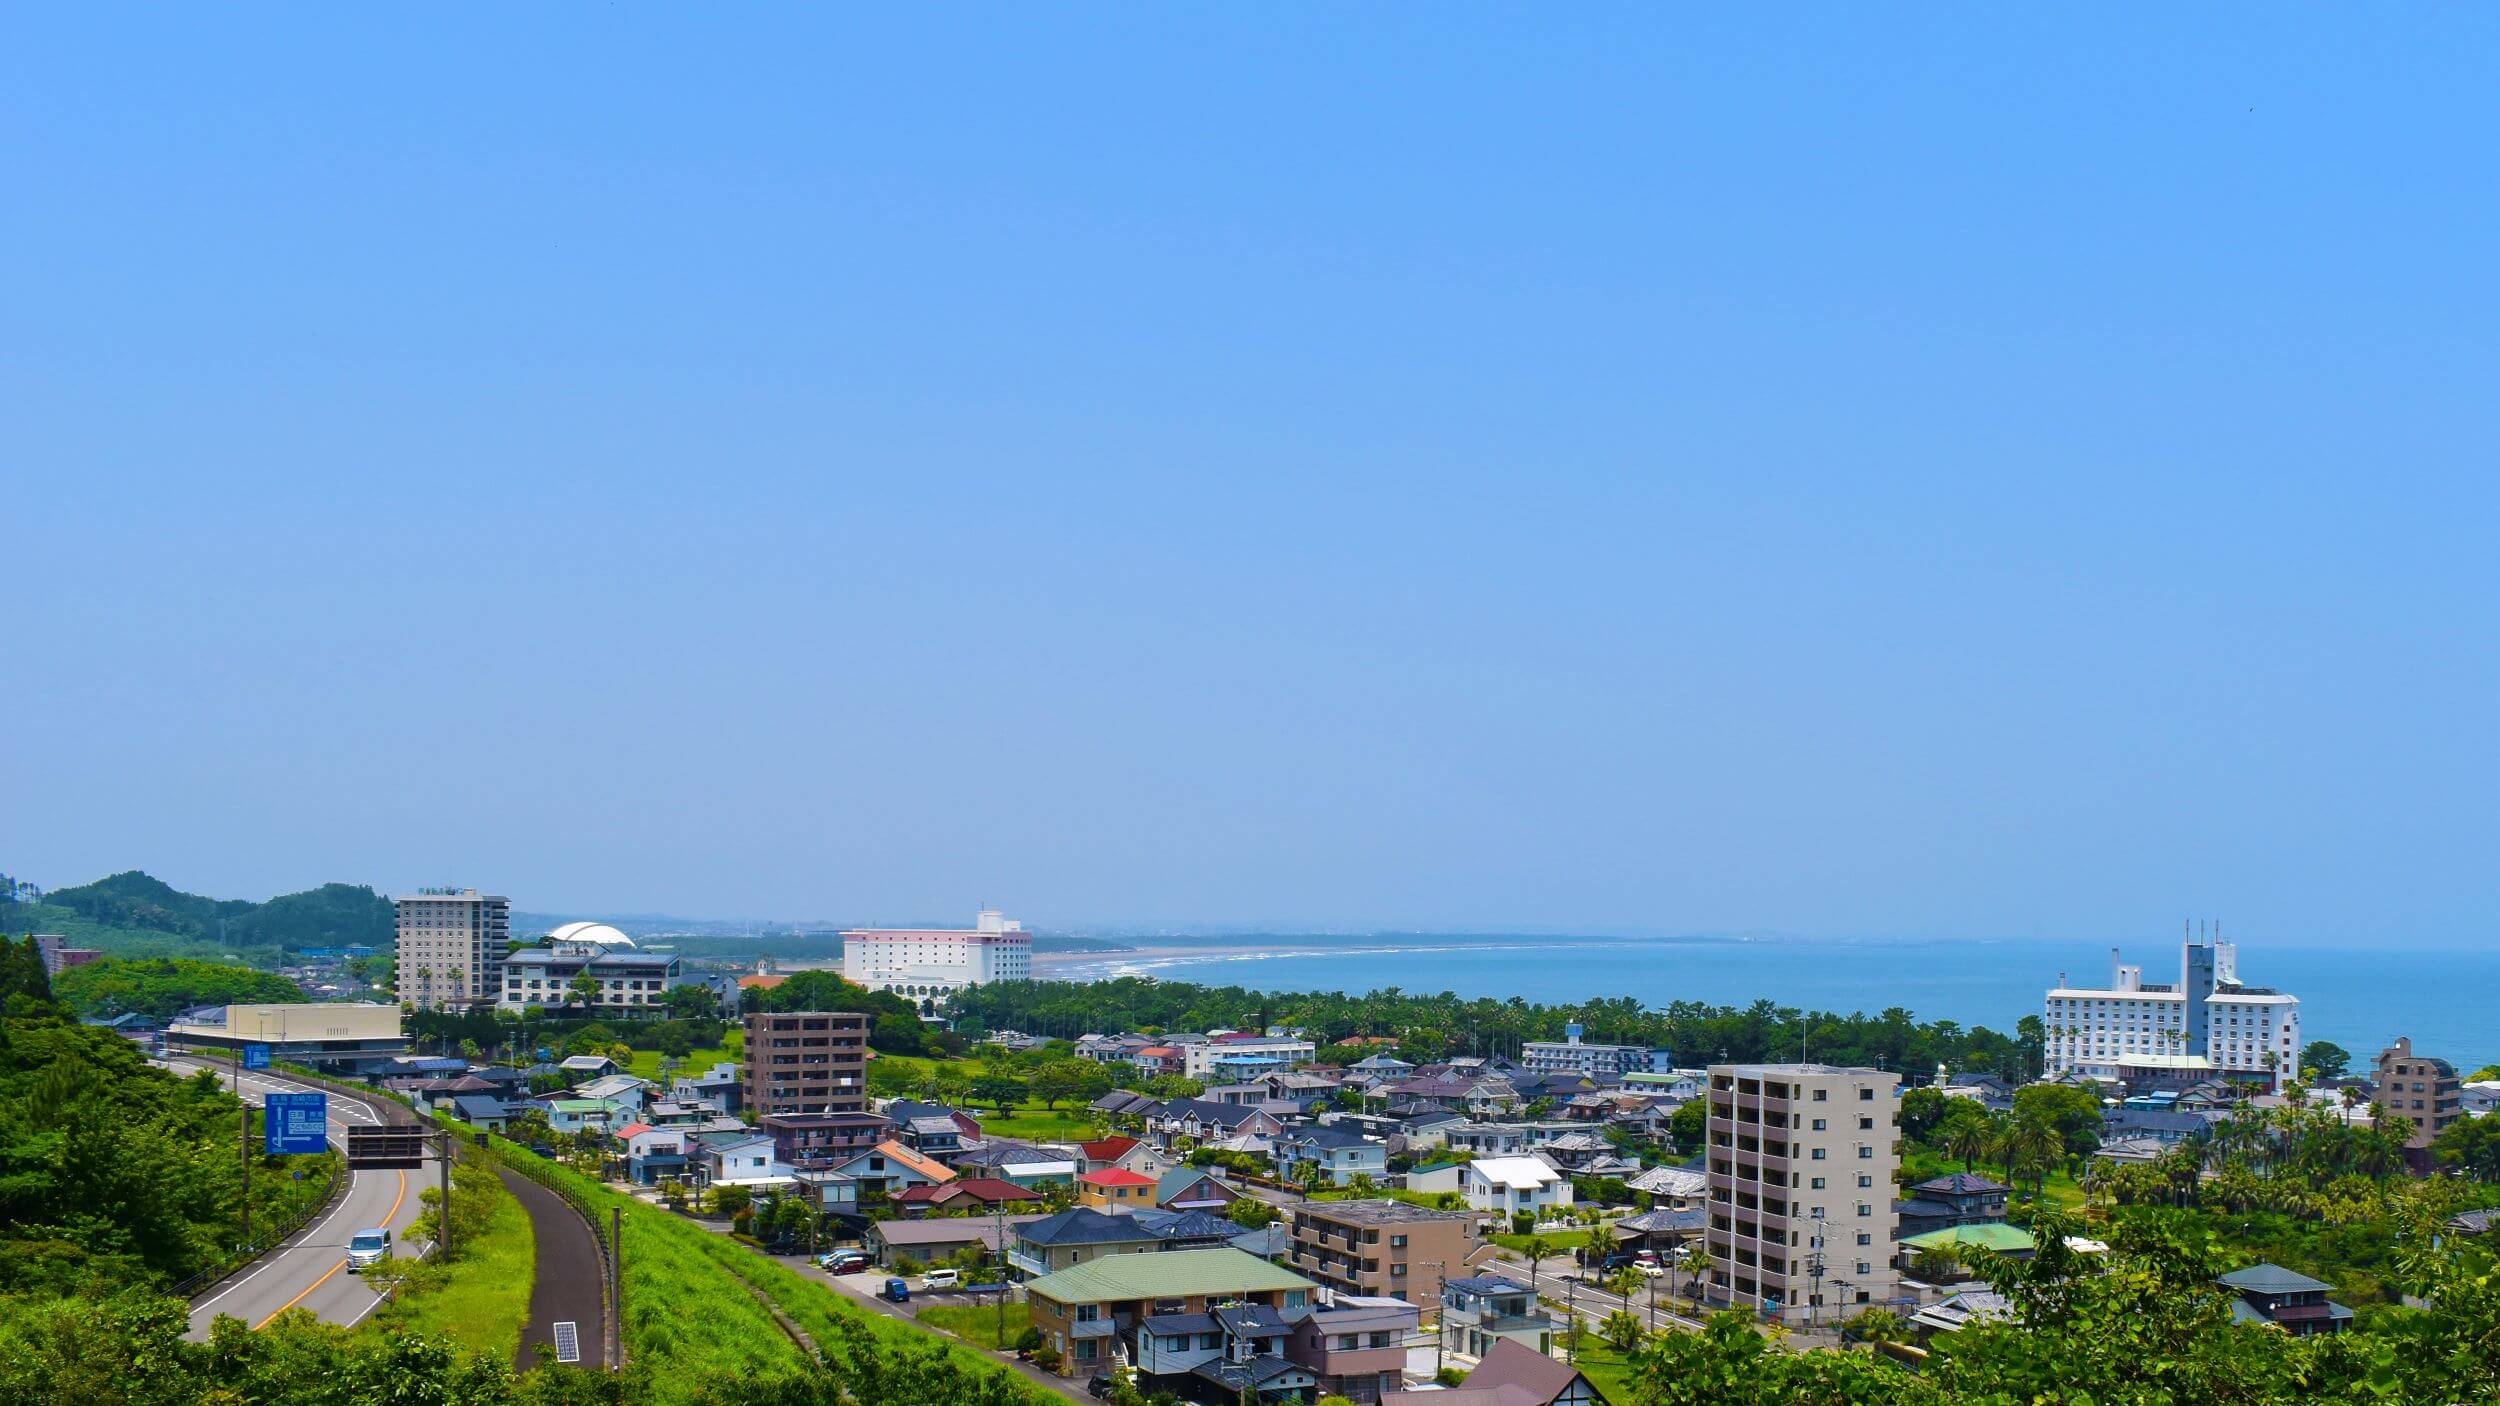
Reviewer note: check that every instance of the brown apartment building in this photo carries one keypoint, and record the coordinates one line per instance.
(805, 1062)
(1382, 1249)
(1801, 1188)
(2423, 1090)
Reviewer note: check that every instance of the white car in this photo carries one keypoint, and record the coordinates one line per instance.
(1651, 1270)
(941, 1279)
(367, 1248)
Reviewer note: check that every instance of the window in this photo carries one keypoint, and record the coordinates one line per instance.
(1818, 1183)
(1818, 1154)
(1865, 1181)
(1866, 1125)
(1818, 1125)
(1866, 1095)
(1088, 1313)
(1865, 1239)
(1821, 1094)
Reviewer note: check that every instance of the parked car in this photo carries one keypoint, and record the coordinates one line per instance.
(1644, 1257)
(367, 1248)
(896, 1291)
(1650, 1268)
(1099, 1388)
(942, 1279)
(842, 1262)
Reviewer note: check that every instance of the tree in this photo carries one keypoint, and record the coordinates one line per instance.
(1621, 1329)
(2074, 1114)
(2324, 1059)
(1688, 1125)
(1536, 1248)
(1921, 1109)
(582, 990)
(2471, 1146)
(691, 1003)
(1250, 1212)
(999, 1091)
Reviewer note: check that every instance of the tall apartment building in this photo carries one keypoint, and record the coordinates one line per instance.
(1570, 1056)
(2207, 1022)
(2422, 1090)
(1801, 1162)
(450, 946)
(805, 1062)
(1382, 1249)
(932, 964)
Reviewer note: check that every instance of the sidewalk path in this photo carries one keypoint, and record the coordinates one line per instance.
(565, 1284)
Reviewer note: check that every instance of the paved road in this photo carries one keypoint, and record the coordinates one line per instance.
(310, 1270)
(565, 1287)
(862, 1289)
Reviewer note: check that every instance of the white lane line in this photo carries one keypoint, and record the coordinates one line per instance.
(302, 1239)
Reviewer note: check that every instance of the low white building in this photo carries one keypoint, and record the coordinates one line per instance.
(1500, 1186)
(625, 979)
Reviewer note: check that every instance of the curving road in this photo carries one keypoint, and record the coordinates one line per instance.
(310, 1270)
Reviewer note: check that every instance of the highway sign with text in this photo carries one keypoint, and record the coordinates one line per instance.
(256, 1056)
(295, 1123)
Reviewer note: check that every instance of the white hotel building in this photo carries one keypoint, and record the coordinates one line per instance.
(932, 964)
(2206, 1024)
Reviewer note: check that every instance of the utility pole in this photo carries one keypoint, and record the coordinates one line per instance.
(443, 1238)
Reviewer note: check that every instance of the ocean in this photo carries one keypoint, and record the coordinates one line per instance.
(2358, 999)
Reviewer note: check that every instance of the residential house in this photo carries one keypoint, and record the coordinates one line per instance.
(587, 1066)
(1338, 1154)
(1356, 1346)
(1187, 1230)
(1381, 1248)
(822, 1140)
(1511, 1375)
(1663, 1231)
(652, 1154)
(717, 1086)
(1202, 1121)
(941, 1238)
(1022, 1163)
(1115, 1189)
(1233, 1353)
(624, 1092)
(979, 1194)
(487, 1111)
(1940, 1203)
(1081, 1312)
(1187, 1188)
(1672, 1188)
(1126, 1153)
(1048, 1244)
(2295, 1303)
(889, 1167)
(737, 1158)
(1121, 1104)
(1957, 1311)
(575, 1115)
(1500, 1186)
(931, 1129)
(1482, 1310)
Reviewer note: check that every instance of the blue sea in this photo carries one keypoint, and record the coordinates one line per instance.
(2358, 999)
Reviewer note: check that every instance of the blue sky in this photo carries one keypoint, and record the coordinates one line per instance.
(1943, 470)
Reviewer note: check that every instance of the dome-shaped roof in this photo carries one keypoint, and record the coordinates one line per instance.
(598, 934)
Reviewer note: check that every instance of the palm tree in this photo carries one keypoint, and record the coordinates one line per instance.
(1969, 1139)
(1535, 1247)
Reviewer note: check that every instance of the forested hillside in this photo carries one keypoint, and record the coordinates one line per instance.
(134, 914)
(160, 986)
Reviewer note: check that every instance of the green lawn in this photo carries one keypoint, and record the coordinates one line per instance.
(1608, 1370)
(481, 1299)
(1032, 1121)
(646, 1063)
(1556, 1241)
(978, 1324)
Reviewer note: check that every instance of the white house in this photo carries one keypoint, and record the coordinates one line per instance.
(1499, 1185)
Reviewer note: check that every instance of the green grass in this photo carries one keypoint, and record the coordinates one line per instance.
(1608, 1370)
(1429, 1200)
(481, 1299)
(646, 1063)
(1032, 1121)
(978, 1324)
(1556, 1241)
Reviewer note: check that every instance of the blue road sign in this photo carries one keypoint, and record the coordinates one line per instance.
(295, 1123)
(256, 1056)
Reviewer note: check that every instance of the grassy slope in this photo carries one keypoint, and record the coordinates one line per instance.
(685, 1309)
(646, 1063)
(484, 1297)
(75, 931)
(977, 1324)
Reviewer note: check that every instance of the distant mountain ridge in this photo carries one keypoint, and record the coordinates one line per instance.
(333, 915)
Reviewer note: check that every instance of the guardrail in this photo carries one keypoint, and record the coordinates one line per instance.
(335, 1186)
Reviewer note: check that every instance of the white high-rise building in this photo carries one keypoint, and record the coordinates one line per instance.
(2206, 1023)
(450, 947)
(931, 964)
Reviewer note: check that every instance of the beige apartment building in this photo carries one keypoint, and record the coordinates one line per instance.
(1382, 1249)
(805, 1062)
(1801, 1162)
(2423, 1090)
(450, 947)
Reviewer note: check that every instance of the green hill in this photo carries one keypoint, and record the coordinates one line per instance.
(133, 914)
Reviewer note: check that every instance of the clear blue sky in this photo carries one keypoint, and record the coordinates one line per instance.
(1980, 470)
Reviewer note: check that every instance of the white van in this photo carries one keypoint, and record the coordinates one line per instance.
(367, 1248)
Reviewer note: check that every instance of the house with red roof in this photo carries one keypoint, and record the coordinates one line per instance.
(976, 1193)
(1126, 1153)
(1115, 1189)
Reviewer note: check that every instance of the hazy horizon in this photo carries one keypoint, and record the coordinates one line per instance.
(1956, 473)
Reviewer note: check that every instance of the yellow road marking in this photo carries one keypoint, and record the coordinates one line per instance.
(342, 1264)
